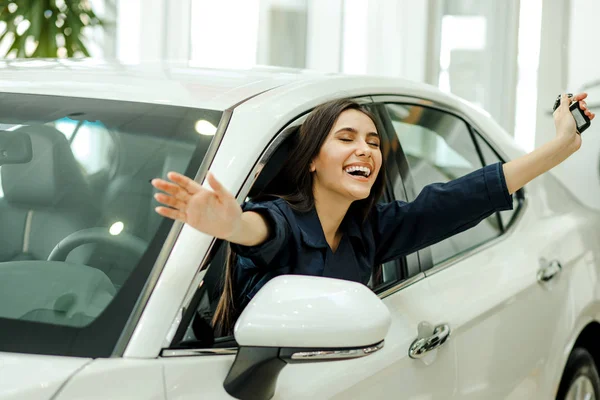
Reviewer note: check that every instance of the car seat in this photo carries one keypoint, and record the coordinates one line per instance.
(44, 200)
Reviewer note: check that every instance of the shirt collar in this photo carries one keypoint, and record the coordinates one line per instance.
(312, 231)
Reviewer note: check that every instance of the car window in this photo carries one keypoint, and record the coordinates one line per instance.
(78, 232)
(393, 272)
(91, 143)
(491, 157)
(439, 148)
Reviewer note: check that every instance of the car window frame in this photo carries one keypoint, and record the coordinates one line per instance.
(400, 171)
(426, 260)
(192, 301)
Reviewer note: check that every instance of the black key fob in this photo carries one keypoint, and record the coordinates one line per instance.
(581, 120)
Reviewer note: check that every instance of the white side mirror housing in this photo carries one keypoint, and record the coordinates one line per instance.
(298, 319)
(307, 311)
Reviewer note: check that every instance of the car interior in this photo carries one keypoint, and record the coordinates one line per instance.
(60, 260)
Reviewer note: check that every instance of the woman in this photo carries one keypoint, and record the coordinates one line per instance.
(324, 219)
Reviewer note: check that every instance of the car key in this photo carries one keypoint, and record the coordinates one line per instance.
(581, 120)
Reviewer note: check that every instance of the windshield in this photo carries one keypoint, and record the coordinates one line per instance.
(78, 231)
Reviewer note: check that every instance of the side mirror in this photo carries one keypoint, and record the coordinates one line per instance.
(15, 148)
(298, 319)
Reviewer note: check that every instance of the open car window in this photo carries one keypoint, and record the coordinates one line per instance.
(196, 328)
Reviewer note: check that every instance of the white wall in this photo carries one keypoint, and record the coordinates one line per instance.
(224, 33)
(584, 42)
(324, 35)
(569, 58)
(582, 171)
(377, 37)
(153, 30)
(398, 38)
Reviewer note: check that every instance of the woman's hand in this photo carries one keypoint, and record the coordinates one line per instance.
(520, 171)
(566, 129)
(214, 212)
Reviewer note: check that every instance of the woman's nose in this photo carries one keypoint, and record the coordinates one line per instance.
(363, 149)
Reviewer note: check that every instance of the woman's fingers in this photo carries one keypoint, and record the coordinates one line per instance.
(172, 189)
(216, 185)
(188, 184)
(584, 107)
(171, 213)
(564, 102)
(170, 201)
(579, 96)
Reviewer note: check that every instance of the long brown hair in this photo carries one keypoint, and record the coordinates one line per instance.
(294, 183)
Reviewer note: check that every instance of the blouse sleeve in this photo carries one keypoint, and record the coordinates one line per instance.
(269, 251)
(439, 211)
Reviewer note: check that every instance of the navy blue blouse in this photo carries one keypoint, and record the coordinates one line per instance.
(297, 243)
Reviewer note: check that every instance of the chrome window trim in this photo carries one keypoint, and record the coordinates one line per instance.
(168, 353)
(418, 101)
(401, 285)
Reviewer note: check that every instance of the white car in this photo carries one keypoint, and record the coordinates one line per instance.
(101, 298)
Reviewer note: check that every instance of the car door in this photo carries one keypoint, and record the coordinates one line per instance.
(390, 372)
(497, 285)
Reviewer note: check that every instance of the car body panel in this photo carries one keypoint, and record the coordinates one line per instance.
(118, 379)
(170, 83)
(33, 377)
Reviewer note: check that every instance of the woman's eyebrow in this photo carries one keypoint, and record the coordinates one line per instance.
(353, 130)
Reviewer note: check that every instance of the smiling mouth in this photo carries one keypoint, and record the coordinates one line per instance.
(358, 171)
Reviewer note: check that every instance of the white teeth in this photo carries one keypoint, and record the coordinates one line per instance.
(366, 170)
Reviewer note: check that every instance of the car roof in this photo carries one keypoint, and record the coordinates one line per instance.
(184, 84)
(175, 83)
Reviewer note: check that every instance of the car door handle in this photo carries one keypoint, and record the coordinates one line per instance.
(421, 346)
(548, 270)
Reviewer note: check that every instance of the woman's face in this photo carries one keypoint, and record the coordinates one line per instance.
(350, 158)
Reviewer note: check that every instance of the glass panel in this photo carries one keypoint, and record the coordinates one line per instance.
(439, 148)
(84, 184)
(490, 157)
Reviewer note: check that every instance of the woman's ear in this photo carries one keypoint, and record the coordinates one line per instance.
(312, 167)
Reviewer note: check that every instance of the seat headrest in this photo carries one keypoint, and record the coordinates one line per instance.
(53, 178)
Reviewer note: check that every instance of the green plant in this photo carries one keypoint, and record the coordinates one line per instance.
(46, 28)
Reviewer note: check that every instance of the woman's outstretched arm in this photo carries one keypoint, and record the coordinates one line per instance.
(445, 209)
(214, 212)
(522, 170)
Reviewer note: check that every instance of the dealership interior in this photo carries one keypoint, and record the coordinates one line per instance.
(510, 57)
(168, 221)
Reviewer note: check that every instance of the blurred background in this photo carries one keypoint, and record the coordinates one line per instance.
(502, 55)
